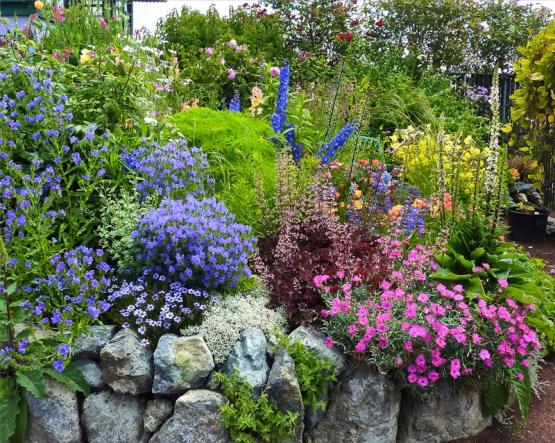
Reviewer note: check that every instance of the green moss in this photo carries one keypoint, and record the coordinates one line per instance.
(242, 159)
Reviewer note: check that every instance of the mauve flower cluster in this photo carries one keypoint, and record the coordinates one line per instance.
(172, 170)
(195, 242)
(151, 312)
(478, 93)
(426, 331)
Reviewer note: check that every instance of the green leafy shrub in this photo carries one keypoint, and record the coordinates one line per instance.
(241, 158)
(188, 31)
(251, 420)
(118, 219)
(314, 374)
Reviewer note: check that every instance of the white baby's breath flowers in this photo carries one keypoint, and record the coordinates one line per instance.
(223, 322)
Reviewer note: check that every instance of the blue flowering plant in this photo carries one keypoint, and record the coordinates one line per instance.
(328, 152)
(37, 130)
(194, 242)
(185, 251)
(38, 322)
(154, 311)
(171, 170)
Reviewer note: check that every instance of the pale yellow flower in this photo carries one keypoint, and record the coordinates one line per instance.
(86, 56)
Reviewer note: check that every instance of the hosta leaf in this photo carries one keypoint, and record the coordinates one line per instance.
(445, 274)
(473, 288)
(477, 253)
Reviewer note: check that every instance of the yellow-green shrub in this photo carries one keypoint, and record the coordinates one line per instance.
(241, 157)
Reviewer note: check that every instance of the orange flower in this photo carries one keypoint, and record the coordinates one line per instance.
(376, 163)
(419, 203)
(515, 175)
(363, 162)
(357, 194)
(395, 212)
(357, 204)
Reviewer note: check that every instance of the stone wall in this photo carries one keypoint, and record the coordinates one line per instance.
(169, 396)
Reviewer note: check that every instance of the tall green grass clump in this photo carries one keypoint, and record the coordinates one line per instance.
(241, 158)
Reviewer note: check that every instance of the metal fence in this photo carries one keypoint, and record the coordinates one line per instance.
(507, 86)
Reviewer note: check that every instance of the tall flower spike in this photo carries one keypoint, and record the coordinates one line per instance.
(277, 120)
(328, 151)
(296, 148)
(493, 151)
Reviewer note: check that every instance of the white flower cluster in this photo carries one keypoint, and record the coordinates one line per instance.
(492, 172)
(223, 322)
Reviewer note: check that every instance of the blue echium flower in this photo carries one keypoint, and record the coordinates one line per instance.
(235, 103)
(329, 150)
(277, 120)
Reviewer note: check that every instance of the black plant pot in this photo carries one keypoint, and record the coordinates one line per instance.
(528, 227)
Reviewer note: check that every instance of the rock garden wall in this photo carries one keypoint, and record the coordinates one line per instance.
(170, 395)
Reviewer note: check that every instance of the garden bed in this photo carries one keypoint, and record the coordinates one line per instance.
(241, 230)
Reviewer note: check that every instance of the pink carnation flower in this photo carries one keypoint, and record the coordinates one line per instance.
(503, 283)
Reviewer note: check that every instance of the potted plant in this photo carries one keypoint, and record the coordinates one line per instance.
(527, 222)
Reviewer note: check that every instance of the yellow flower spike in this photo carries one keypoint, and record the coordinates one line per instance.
(39, 6)
(357, 194)
(357, 204)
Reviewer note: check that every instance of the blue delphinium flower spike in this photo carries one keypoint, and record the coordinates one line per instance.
(328, 151)
(235, 103)
(277, 120)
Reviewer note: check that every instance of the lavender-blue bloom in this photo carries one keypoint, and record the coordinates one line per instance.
(173, 170)
(329, 150)
(235, 103)
(196, 242)
(152, 310)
